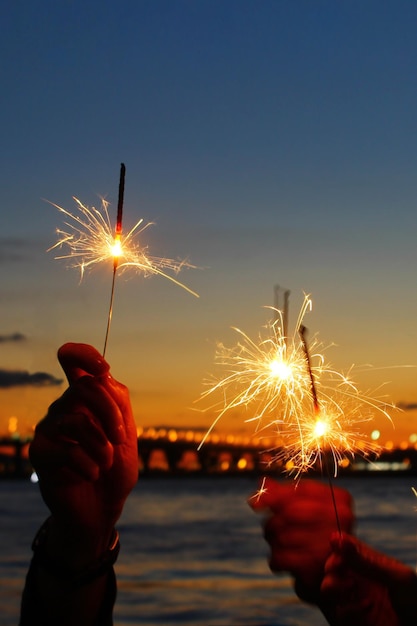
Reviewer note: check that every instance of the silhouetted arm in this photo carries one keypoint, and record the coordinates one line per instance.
(85, 454)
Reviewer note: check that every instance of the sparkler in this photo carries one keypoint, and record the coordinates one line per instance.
(269, 375)
(322, 424)
(277, 380)
(91, 241)
(117, 250)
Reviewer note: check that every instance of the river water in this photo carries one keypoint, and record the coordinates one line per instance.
(192, 550)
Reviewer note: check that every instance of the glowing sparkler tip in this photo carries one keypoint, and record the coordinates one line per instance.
(280, 369)
(116, 248)
(320, 428)
(91, 240)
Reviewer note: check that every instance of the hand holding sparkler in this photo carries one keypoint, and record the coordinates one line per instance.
(88, 440)
(367, 588)
(85, 454)
(299, 527)
(349, 581)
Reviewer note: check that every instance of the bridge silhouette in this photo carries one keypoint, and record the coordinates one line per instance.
(184, 451)
(169, 450)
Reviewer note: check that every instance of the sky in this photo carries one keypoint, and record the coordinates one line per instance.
(269, 143)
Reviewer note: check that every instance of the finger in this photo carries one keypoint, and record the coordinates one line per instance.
(58, 462)
(286, 561)
(120, 395)
(270, 495)
(276, 495)
(375, 565)
(92, 394)
(79, 359)
(70, 430)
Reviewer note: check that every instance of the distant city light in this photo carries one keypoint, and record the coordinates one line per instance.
(12, 427)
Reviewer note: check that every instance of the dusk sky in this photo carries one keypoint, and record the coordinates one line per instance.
(270, 142)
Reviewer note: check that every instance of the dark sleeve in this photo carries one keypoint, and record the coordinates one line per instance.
(32, 612)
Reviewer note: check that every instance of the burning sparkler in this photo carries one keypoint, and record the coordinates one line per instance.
(266, 375)
(277, 379)
(269, 374)
(91, 241)
(116, 250)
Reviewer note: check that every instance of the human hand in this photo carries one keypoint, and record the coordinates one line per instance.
(367, 588)
(85, 452)
(301, 520)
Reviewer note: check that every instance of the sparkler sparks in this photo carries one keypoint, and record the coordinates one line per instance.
(277, 381)
(270, 372)
(334, 429)
(90, 240)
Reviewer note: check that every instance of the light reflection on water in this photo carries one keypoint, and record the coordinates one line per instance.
(193, 553)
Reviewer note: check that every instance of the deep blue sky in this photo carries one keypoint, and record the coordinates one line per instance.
(270, 142)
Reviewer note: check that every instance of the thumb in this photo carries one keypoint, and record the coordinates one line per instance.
(80, 359)
(378, 566)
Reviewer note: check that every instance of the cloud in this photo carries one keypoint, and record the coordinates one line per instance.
(19, 378)
(12, 338)
(13, 249)
(410, 406)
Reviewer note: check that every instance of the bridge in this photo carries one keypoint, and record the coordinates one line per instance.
(184, 451)
(180, 450)
(169, 450)
(14, 462)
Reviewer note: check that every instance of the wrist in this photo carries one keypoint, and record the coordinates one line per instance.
(73, 558)
(76, 545)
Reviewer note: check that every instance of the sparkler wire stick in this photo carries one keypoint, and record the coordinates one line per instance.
(303, 331)
(285, 318)
(116, 249)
